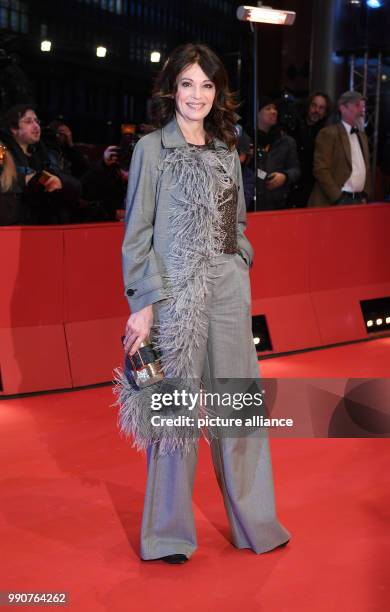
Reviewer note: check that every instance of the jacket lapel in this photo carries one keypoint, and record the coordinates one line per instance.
(364, 148)
(172, 137)
(345, 141)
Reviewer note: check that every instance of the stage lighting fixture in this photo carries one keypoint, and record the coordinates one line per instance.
(265, 14)
(101, 51)
(46, 45)
(374, 3)
(376, 314)
(155, 57)
(261, 336)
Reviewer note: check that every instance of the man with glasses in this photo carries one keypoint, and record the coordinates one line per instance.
(34, 189)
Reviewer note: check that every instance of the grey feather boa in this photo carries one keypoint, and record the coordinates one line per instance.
(203, 177)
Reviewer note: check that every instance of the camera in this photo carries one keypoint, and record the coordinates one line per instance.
(38, 181)
(262, 175)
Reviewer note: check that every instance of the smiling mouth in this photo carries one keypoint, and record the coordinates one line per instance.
(191, 105)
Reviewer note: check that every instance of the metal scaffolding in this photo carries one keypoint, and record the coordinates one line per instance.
(365, 76)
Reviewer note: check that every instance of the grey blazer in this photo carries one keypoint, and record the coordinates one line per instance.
(146, 241)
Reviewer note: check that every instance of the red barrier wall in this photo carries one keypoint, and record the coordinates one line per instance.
(62, 308)
(313, 266)
(95, 308)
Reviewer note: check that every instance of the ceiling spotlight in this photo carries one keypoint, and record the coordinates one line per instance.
(101, 51)
(256, 340)
(370, 323)
(374, 3)
(155, 57)
(265, 14)
(46, 45)
(379, 321)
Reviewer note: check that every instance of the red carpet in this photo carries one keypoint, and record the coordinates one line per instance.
(72, 493)
(369, 359)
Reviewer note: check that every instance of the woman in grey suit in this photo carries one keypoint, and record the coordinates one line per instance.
(186, 273)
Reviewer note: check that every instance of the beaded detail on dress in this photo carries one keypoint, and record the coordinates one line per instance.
(229, 219)
(228, 207)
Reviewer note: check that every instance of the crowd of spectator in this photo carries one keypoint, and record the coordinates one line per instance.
(308, 160)
(318, 157)
(47, 179)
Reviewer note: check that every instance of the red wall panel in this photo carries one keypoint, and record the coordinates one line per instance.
(31, 273)
(62, 306)
(92, 272)
(313, 267)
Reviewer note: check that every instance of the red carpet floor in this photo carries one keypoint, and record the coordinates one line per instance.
(71, 502)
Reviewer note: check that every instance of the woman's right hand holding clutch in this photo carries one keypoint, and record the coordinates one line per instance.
(138, 329)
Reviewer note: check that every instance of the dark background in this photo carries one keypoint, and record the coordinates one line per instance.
(95, 95)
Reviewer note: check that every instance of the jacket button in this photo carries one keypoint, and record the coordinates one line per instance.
(130, 291)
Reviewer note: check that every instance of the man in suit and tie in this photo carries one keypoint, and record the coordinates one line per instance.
(342, 158)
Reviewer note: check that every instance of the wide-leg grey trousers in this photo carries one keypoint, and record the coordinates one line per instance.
(242, 464)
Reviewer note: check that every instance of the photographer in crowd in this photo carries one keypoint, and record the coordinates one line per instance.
(34, 188)
(106, 181)
(71, 158)
(277, 161)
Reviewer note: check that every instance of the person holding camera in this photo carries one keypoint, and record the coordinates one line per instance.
(34, 189)
(106, 181)
(277, 159)
(59, 136)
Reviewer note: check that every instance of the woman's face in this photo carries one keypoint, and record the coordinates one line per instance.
(195, 94)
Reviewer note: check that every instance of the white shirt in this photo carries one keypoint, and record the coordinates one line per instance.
(357, 180)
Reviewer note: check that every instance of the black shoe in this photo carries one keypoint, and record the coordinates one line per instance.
(174, 559)
(281, 545)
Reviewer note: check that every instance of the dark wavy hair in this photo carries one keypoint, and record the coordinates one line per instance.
(329, 104)
(221, 120)
(10, 119)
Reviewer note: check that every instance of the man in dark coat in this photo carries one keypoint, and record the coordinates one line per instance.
(277, 160)
(59, 136)
(106, 182)
(309, 121)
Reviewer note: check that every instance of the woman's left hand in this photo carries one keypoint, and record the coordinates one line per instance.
(138, 329)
